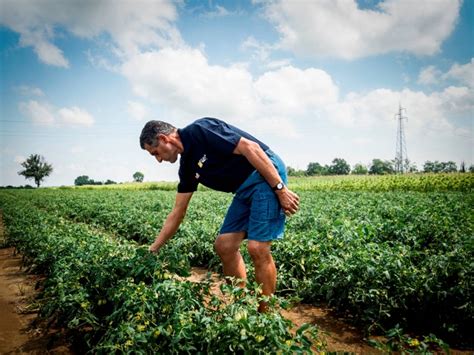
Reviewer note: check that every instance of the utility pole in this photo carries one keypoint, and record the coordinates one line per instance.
(401, 155)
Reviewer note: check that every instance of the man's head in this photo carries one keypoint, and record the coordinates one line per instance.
(161, 140)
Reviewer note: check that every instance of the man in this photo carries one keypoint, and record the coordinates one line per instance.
(225, 158)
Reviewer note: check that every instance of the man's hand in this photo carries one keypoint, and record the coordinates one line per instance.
(289, 201)
(154, 247)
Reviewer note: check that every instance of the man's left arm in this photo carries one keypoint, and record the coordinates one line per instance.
(256, 156)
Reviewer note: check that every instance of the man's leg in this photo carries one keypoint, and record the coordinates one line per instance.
(265, 270)
(227, 246)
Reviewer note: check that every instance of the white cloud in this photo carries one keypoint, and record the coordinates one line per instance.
(456, 100)
(26, 90)
(459, 73)
(186, 85)
(40, 112)
(261, 51)
(220, 11)
(183, 79)
(131, 24)
(75, 116)
(463, 73)
(429, 75)
(291, 91)
(275, 64)
(43, 113)
(137, 110)
(340, 29)
(46, 51)
(378, 107)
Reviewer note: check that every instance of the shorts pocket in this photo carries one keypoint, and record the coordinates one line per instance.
(265, 207)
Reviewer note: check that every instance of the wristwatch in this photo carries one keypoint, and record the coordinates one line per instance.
(278, 186)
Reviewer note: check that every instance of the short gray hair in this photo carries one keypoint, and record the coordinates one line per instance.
(151, 131)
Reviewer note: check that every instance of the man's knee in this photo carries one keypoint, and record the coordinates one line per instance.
(227, 244)
(259, 251)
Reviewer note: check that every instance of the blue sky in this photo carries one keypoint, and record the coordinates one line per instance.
(315, 80)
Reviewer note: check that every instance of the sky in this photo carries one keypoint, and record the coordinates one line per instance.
(314, 80)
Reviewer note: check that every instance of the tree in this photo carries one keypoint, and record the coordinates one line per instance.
(36, 168)
(462, 167)
(471, 168)
(339, 167)
(380, 167)
(294, 172)
(82, 180)
(138, 177)
(359, 169)
(316, 169)
(439, 167)
(432, 167)
(449, 167)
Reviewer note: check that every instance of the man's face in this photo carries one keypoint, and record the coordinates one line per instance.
(164, 151)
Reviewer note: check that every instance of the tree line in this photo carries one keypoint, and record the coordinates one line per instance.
(36, 168)
(85, 180)
(340, 166)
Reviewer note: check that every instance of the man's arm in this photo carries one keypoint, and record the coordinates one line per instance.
(173, 221)
(256, 156)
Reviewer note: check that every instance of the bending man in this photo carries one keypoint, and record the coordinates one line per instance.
(225, 158)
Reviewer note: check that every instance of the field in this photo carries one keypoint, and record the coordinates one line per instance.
(392, 254)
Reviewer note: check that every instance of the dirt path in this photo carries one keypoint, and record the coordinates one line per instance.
(17, 290)
(13, 333)
(17, 333)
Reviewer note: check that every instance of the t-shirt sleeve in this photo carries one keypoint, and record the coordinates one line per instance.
(218, 136)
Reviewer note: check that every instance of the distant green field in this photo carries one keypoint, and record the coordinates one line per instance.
(407, 182)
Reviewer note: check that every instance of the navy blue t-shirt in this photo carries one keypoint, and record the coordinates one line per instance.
(208, 159)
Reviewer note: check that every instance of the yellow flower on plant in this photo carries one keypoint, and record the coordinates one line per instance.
(414, 342)
(128, 343)
(240, 315)
(157, 333)
(141, 328)
(259, 338)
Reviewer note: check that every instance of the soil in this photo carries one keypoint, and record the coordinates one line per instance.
(18, 332)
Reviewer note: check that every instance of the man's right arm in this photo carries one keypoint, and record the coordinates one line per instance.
(173, 220)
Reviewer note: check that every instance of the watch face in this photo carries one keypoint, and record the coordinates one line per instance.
(279, 186)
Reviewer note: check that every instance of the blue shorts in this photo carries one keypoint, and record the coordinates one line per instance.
(256, 209)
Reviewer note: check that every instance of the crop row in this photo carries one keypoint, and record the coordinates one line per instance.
(385, 258)
(406, 182)
(117, 297)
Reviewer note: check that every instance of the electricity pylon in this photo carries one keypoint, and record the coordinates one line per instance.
(401, 156)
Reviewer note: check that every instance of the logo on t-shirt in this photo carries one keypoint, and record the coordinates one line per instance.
(202, 161)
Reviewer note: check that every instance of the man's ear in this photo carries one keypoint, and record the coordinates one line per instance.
(163, 138)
